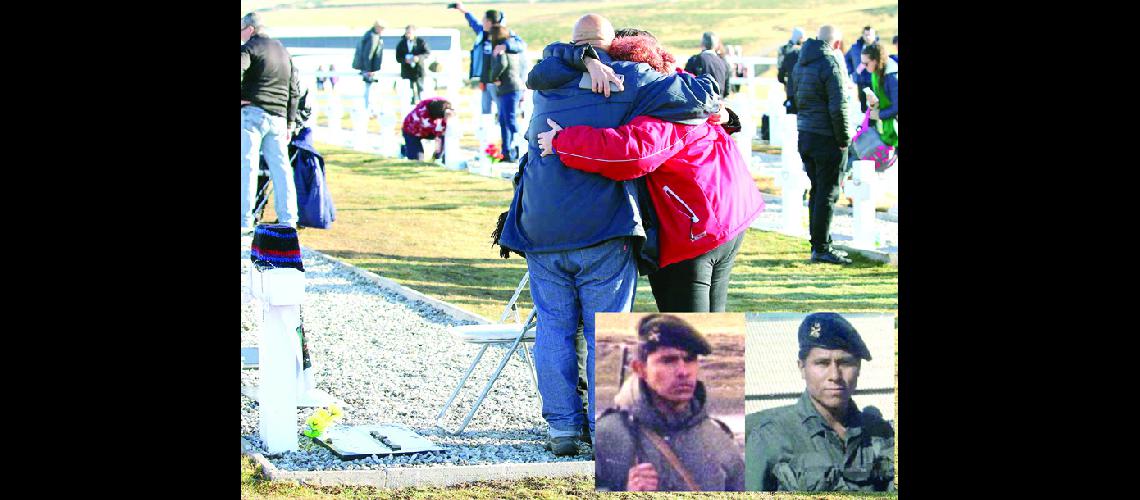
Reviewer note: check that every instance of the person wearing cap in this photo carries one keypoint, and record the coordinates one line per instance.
(660, 436)
(368, 58)
(270, 97)
(824, 442)
(786, 59)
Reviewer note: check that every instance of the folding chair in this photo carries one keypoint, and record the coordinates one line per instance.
(503, 334)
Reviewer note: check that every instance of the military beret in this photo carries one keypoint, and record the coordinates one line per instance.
(830, 331)
(665, 330)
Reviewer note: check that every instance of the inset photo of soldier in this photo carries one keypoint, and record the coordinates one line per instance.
(670, 398)
(820, 395)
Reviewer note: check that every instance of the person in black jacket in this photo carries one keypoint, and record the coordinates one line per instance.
(411, 53)
(817, 83)
(506, 73)
(708, 62)
(789, 55)
(270, 91)
(367, 58)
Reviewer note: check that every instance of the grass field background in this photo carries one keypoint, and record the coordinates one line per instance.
(759, 26)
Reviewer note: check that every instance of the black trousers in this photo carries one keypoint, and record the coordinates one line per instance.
(823, 162)
(699, 284)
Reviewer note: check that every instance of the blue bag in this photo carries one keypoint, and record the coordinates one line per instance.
(314, 201)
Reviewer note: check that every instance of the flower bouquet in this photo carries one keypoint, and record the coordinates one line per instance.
(493, 153)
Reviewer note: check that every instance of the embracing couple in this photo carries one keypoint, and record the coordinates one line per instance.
(629, 169)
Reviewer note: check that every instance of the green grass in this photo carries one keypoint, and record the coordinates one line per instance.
(429, 229)
(759, 26)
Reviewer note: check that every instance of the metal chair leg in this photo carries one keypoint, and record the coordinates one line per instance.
(462, 382)
(530, 323)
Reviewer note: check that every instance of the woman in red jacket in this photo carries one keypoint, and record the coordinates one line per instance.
(703, 193)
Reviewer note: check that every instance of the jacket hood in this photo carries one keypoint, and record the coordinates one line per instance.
(635, 398)
(892, 67)
(812, 51)
(304, 140)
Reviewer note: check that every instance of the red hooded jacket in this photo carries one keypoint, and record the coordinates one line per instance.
(701, 188)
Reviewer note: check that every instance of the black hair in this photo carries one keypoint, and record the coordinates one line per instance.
(437, 108)
(495, 16)
(632, 32)
(498, 33)
(895, 40)
(865, 28)
(875, 51)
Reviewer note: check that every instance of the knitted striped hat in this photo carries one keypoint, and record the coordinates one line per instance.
(276, 246)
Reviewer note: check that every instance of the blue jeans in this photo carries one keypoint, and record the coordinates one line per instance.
(568, 286)
(509, 123)
(488, 98)
(265, 134)
(413, 148)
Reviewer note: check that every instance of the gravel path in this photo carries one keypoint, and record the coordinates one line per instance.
(392, 361)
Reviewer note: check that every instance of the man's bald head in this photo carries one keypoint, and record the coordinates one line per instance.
(829, 35)
(594, 30)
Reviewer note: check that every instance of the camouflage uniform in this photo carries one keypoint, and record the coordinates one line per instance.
(792, 448)
(703, 444)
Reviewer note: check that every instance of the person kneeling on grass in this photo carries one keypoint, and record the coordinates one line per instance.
(428, 120)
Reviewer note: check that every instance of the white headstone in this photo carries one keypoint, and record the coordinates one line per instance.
(793, 180)
(281, 292)
(863, 190)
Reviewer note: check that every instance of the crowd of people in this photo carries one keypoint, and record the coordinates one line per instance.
(634, 173)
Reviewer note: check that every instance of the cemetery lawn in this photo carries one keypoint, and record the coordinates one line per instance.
(429, 229)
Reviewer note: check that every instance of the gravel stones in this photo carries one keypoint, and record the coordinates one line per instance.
(392, 360)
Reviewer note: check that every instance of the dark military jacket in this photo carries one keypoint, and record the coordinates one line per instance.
(791, 448)
(703, 444)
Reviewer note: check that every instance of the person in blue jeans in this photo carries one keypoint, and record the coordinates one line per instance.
(483, 50)
(270, 96)
(506, 72)
(581, 232)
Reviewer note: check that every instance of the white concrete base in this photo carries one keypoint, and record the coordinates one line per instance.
(401, 477)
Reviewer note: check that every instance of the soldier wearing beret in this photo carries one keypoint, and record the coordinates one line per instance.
(824, 442)
(660, 437)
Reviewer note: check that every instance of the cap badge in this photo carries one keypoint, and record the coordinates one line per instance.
(814, 330)
(655, 337)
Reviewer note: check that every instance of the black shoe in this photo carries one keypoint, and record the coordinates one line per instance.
(563, 446)
(829, 257)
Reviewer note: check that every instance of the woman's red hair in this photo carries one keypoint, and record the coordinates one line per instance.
(642, 49)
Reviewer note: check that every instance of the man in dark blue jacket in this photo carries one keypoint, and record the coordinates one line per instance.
(860, 76)
(579, 230)
(821, 119)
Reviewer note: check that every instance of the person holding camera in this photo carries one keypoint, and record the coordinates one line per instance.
(484, 49)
